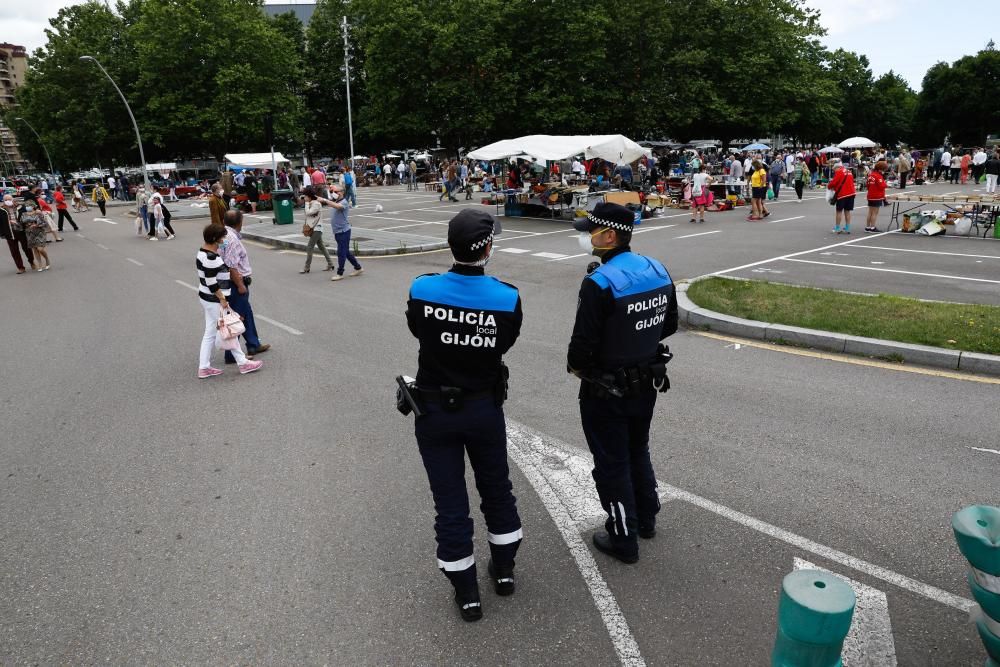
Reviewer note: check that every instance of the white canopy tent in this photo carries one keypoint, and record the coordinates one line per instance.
(255, 160)
(857, 142)
(611, 147)
(162, 166)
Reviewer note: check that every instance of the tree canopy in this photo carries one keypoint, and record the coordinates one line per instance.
(201, 76)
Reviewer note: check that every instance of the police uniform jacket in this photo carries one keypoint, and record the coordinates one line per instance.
(465, 322)
(626, 307)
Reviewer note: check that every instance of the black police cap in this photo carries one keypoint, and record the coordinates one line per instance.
(610, 216)
(469, 232)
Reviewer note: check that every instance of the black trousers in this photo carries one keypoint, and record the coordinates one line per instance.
(617, 432)
(64, 214)
(444, 439)
(902, 179)
(16, 244)
(799, 185)
(101, 204)
(955, 172)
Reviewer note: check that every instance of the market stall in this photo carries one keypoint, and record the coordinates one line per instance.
(256, 161)
(981, 210)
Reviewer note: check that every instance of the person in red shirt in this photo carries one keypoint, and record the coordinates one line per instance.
(876, 194)
(63, 210)
(842, 185)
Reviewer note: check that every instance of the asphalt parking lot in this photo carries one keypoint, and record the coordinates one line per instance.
(794, 245)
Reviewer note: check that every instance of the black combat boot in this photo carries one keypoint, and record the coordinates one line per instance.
(468, 604)
(502, 578)
(605, 544)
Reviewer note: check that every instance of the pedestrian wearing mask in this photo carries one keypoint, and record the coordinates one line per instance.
(460, 388)
(62, 208)
(100, 196)
(234, 254)
(904, 169)
(758, 191)
(777, 174)
(159, 216)
(217, 205)
(800, 174)
(214, 289)
(701, 195)
(32, 220)
(341, 227)
(314, 223)
(142, 204)
(626, 306)
(12, 231)
(876, 194)
(842, 186)
(46, 212)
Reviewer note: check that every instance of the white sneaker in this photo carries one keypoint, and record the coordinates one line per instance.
(153, 238)
(357, 272)
(336, 278)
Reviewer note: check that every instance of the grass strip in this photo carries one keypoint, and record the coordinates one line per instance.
(953, 326)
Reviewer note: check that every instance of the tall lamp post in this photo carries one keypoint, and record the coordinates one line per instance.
(135, 126)
(347, 78)
(51, 170)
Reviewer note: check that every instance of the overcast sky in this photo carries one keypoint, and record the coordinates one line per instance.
(906, 37)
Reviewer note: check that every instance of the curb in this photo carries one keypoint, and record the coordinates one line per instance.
(701, 318)
(361, 252)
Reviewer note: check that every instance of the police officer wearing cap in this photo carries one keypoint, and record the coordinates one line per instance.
(465, 322)
(627, 305)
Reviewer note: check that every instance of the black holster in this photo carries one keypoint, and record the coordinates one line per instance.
(503, 385)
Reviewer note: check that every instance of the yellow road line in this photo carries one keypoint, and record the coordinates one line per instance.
(847, 359)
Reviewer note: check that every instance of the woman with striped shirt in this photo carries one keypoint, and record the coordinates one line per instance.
(213, 288)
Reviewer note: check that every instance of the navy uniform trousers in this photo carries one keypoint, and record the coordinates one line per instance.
(617, 432)
(444, 438)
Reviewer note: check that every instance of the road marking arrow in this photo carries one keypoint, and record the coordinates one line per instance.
(869, 641)
(110, 222)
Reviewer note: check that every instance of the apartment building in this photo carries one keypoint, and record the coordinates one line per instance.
(13, 65)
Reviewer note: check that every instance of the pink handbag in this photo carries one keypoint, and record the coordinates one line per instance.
(230, 325)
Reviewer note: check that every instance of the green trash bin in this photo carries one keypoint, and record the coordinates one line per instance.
(284, 204)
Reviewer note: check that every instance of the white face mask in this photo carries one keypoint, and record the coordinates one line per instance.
(584, 240)
(480, 262)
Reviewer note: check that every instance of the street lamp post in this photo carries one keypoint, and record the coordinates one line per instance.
(135, 126)
(51, 170)
(347, 78)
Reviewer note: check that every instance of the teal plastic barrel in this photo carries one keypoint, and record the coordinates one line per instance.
(977, 531)
(814, 617)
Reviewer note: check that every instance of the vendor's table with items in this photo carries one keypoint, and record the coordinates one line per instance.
(983, 210)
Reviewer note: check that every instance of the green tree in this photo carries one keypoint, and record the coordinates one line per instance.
(852, 75)
(957, 100)
(70, 103)
(891, 115)
(325, 91)
(209, 72)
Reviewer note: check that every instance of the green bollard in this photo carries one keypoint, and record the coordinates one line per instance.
(977, 531)
(814, 616)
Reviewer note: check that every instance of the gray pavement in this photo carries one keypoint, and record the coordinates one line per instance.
(284, 516)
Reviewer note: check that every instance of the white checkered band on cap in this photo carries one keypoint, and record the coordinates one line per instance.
(608, 223)
(481, 244)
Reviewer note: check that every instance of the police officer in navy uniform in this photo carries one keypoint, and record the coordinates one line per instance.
(627, 305)
(465, 322)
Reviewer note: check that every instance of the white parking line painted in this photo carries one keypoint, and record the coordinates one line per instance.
(514, 251)
(103, 247)
(110, 222)
(983, 449)
(798, 217)
(796, 254)
(412, 224)
(137, 263)
(582, 254)
(278, 324)
(543, 459)
(549, 255)
(689, 236)
(642, 230)
(929, 252)
(869, 641)
(528, 450)
(909, 273)
(392, 217)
